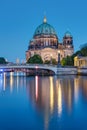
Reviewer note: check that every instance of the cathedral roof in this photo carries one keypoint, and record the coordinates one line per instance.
(45, 29)
(67, 34)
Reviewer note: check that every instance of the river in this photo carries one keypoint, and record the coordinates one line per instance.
(43, 103)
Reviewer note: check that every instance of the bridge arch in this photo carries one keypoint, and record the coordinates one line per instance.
(28, 67)
(40, 71)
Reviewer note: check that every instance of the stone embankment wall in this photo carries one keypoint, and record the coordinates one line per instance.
(66, 71)
(82, 71)
(71, 71)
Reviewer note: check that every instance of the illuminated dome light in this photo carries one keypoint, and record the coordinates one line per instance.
(45, 29)
(45, 20)
(67, 34)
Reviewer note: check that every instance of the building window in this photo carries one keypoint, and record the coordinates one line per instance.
(68, 42)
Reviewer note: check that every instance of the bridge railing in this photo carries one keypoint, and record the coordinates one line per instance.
(14, 64)
(25, 65)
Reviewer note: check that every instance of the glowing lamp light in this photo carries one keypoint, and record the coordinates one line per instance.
(51, 55)
(36, 67)
(1, 70)
(58, 51)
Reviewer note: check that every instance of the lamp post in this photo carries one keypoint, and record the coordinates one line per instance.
(59, 64)
(51, 59)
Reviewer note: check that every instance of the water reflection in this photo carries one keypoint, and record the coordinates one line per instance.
(36, 87)
(1, 82)
(11, 82)
(76, 89)
(59, 93)
(48, 93)
(56, 94)
(17, 81)
(49, 96)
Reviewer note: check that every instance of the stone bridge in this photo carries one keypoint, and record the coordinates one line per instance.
(26, 67)
(53, 68)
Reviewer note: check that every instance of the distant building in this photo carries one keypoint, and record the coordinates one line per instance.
(80, 61)
(45, 42)
(17, 61)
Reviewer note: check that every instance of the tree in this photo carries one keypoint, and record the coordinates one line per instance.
(36, 59)
(63, 62)
(77, 53)
(84, 51)
(47, 62)
(54, 62)
(67, 61)
(2, 60)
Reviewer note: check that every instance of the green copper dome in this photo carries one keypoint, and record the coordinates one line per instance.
(45, 29)
(67, 34)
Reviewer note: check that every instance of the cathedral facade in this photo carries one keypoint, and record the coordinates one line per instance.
(45, 42)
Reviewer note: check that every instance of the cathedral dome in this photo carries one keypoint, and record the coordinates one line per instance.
(45, 29)
(67, 34)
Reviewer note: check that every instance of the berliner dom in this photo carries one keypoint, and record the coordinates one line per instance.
(45, 43)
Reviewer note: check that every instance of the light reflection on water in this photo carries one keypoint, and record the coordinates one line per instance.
(59, 91)
(51, 95)
(51, 102)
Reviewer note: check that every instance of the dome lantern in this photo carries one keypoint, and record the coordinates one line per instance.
(45, 20)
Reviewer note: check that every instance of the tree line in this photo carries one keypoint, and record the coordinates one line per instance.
(2, 60)
(69, 60)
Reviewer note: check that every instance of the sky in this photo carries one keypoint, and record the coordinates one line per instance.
(20, 18)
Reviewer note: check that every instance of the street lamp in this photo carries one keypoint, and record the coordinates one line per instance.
(59, 64)
(51, 59)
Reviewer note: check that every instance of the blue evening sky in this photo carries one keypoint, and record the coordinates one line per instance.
(19, 19)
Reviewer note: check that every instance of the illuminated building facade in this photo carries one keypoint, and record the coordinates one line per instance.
(80, 61)
(45, 42)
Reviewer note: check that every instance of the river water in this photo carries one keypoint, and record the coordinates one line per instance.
(43, 103)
